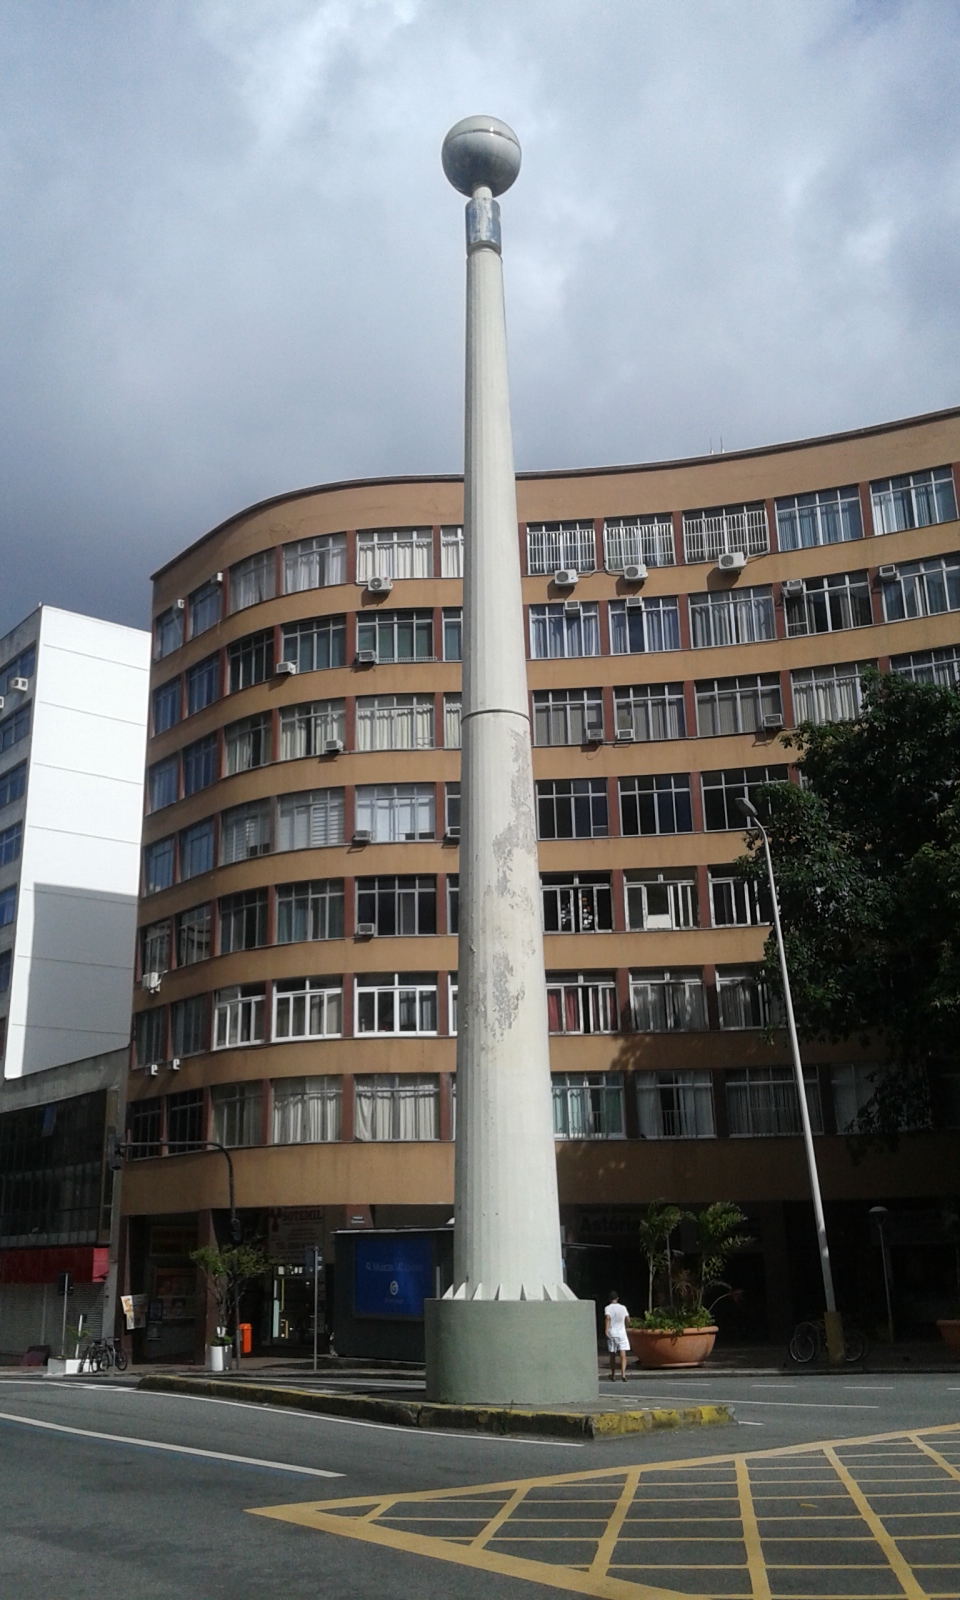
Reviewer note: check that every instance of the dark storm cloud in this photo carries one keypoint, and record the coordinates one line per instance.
(231, 264)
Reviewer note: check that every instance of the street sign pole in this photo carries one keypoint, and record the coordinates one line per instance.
(63, 1287)
(316, 1280)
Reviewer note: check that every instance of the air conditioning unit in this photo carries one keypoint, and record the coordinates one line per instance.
(634, 602)
(362, 835)
(153, 1069)
(366, 658)
(773, 721)
(634, 572)
(379, 585)
(151, 982)
(333, 747)
(565, 578)
(451, 835)
(572, 608)
(174, 1064)
(179, 605)
(887, 574)
(217, 577)
(792, 586)
(593, 733)
(625, 736)
(1, 702)
(366, 930)
(285, 669)
(20, 683)
(732, 561)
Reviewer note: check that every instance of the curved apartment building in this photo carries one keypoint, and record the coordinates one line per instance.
(297, 956)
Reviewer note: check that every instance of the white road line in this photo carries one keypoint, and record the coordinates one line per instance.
(872, 1388)
(174, 1449)
(803, 1405)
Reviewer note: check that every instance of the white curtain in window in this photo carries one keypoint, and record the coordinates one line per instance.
(396, 813)
(395, 722)
(245, 832)
(396, 1107)
(310, 820)
(399, 553)
(451, 552)
(451, 721)
(315, 563)
(307, 1111)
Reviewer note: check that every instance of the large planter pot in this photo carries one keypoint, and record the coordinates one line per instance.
(215, 1357)
(63, 1368)
(950, 1334)
(687, 1349)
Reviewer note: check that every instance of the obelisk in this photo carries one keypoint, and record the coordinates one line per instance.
(509, 1329)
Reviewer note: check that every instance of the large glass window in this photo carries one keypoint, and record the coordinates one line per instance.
(252, 580)
(146, 1127)
(315, 563)
(581, 1002)
(243, 921)
(188, 1026)
(22, 665)
(572, 808)
(638, 541)
(163, 782)
(452, 706)
(193, 930)
(8, 905)
(157, 866)
(238, 1016)
(396, 1106)
(657, 901)
(567, 716)
(827, 694)
(588, 1105)
(395, 905)
(316, 644)
(167, 632)
(150, 1035)
(722, 616)
(707, 535)
(196, 849)
(394, 553)
(737, 705)
(200, 764)
(735, 903)
(853, 1084)
(310, 820)
(13, 784)
(237, 1114)
(396, 812)
(578, 902)
(828, 605)
(305, 730)
(14, 728)
(555, 545)
(452, 634)
(154, 945)
(310, 910)
(639, 626)
(722, 790)
(205, 605)
(307, 1110)
(250, 660)
(453, 907)
(6, 963)
(245, 831)
(166, 706)
(307, 1008)
(923, 666)
(396, 635)
(658, 803)
(203, 684)
(675, 1105)
(184, 1121)
(397, 1002)
(650, 711)
(571, 628)
(762, 1101)
(829, 516)
(247, 743)
(743, 998)
(11, 842)
(923, 589)
(451, 807)
(914, 500)
(395, 722)
(451, 552)
(668, 1002)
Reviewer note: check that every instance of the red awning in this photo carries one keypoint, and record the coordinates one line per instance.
(86, 1263)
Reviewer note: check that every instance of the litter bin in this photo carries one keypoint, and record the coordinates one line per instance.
(246, 1338)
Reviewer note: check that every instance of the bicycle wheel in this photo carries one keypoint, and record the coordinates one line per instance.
(854, 1345)
(804, 1345)
(119, 1359)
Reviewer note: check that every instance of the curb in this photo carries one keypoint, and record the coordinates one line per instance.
(429, 1414)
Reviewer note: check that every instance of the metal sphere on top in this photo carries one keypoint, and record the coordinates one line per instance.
(481, 152)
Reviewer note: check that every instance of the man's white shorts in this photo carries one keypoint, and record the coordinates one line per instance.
(617, 1342)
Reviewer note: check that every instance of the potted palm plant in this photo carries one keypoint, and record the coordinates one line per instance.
(227, 1270)
(682, 1332)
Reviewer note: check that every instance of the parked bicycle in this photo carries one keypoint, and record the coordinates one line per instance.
(102, 1354)
(810, 1341)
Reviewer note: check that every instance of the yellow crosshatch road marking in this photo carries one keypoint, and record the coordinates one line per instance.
(845, 1519)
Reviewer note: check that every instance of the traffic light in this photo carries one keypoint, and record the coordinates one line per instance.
(64, 1284)
(115, 1151)
(236, 1230)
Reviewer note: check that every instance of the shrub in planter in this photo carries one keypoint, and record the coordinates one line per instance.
(682, 1332)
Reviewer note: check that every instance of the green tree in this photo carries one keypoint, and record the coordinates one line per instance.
(867, 858)
(657, 1224)
(227, 1270)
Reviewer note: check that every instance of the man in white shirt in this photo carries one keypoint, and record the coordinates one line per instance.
(615, 1327)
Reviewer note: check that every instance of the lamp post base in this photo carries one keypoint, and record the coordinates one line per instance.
(511, 1352)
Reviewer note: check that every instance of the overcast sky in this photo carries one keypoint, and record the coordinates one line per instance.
(231, 265)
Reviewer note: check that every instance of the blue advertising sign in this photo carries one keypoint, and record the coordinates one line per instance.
(392, 1277)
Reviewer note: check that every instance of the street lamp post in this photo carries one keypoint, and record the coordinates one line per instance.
(833, 1322)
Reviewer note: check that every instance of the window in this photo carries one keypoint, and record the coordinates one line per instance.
(308, 1008)
(238, 1016)
(830, 516)
(668, 1002)
(763, 1101)
(396, 1106)
(567, 716)
(15, 728)
(644, 626)
(737, 705)
(8, 905)
(188, 1026)
(827, 694)
(572, 808)
(203, 684)
(451, 552)
(552, 545)
(658, 901)
(13, 784)
(828, 605)
(395, 722)
(11, 840)
(853, 1085)
(196, 849)
(310, 910)
(200, 764)
(316, 563)
(453, 909)
(394, 812)
(243, 920)
(580, 902)
(150, 1035)
(581, 1002)
(638, 541)
(205, 607)
(914, 500)
(451, 807)
(557, 632)
(247, 743)
(154, 946)
(253, 580)
(166, 706)
(146, 1126)
(237, 1114)
(923, 589)
(305, 730)
(184, 1121)
(656, 804)
(403, 906)
(397, 1002)
(735, 903)
(245, 832)
(452, 635)
(722, 790)
(707, 535)
(307, 1110)
(397, 635)
(651, 711)
(923, 666)
(588, 1105)
(316, 644)
(23, 665)
(394, 553)
(675, 1105)
(163, 782)
(157, 866)
(193, 935)
(167, 632)
(724, 616)
(743, 998)
(6, 962)
(452, 995)
(250, 660)
(310, 820)
(451, 721)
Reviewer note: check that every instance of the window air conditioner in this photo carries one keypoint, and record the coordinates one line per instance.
(378, 585)
(366, 930)
(625, 736)
(451, 835)
(217, 577)
(174, 1064)
(179, 605)
(20, 683)
(366, 658)
(285, 669)
(571, 607)
(634, 572)
(362, 835)
(1, 702)
(593, 733)
(634, 602)
(565, 578)
(732, 561)
(153, 1069)
(887, 574)
(773, 720)
(792, 586)
(333, 747)
(151, 982)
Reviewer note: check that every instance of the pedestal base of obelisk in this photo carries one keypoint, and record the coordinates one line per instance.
(511, 1352)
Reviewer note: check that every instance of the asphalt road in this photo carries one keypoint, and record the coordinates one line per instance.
(89, 1506)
